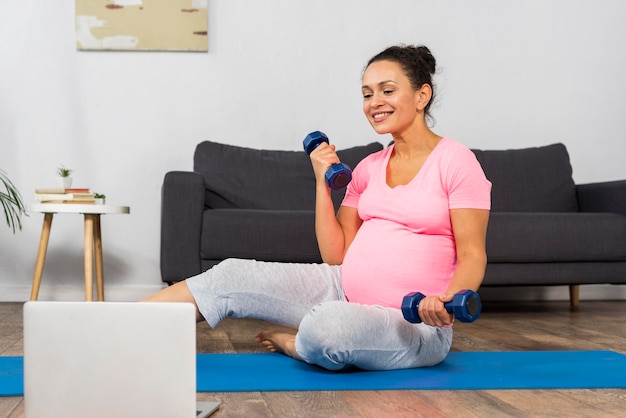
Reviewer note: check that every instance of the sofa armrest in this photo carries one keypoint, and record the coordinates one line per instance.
(182, 206)
(607, 196)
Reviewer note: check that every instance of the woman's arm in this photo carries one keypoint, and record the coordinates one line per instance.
(470, 231)
(334, 232)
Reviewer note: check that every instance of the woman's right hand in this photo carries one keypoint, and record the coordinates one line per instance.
(322, 158)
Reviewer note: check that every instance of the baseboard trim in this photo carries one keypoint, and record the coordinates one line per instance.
(120, 293)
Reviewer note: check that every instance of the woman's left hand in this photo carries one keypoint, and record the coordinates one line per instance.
(433, 313)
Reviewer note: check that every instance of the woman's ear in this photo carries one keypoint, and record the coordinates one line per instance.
(423, 96)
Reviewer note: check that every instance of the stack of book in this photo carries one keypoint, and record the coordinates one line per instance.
(80, 196)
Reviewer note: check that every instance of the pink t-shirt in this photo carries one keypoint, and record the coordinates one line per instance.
(405, 243)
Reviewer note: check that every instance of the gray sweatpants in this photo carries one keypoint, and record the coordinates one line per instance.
(332, 332)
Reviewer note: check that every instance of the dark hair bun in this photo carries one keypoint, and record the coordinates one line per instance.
(428, 60)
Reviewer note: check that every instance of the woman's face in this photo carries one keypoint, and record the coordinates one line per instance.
(390, 103)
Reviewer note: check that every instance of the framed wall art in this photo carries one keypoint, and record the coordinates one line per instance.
(142, 25)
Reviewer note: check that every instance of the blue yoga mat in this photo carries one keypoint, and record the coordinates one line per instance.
(11, 376)
(460, 371)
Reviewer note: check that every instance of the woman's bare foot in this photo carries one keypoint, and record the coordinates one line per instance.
(279, 342)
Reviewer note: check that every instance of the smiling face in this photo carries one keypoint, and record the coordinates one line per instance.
(390, 103)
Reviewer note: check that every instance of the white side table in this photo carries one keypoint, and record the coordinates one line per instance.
(93, 241)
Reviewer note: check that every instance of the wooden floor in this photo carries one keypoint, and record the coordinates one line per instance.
(502, 327)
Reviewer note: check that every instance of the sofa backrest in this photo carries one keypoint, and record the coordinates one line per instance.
(246, 178)
(535, 179)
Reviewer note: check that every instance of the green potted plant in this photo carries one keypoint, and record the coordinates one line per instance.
(100, 198)
(11, 202)
(65, 176)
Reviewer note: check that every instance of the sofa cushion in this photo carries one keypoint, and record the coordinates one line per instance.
(246, 178)
(264, 235)
(549, 274)
(556, 237)
(530, 180)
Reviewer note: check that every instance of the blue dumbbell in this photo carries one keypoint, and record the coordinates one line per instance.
(465, 306)
(338, 175)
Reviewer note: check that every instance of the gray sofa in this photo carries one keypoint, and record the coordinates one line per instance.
(248, 203)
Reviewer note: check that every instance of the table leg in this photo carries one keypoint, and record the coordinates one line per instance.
(89, 221)
(97, 234)
(41, 255)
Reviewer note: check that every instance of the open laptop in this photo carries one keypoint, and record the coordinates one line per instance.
(110, 359)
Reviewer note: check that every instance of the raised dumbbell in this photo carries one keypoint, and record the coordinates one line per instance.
(338, 175)
(465, 306)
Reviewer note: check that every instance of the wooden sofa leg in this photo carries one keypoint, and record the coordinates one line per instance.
(574, 293)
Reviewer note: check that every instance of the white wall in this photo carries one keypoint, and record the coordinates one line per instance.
(512, 74)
